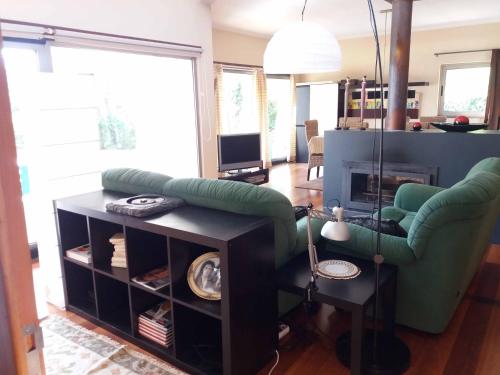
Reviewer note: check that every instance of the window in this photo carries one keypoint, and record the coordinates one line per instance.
(464, 89)
(240, 107)
(240, 111)
(279, 116)
(79, 111)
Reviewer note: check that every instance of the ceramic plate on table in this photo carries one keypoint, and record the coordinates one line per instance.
(450, 127)
(338, 269)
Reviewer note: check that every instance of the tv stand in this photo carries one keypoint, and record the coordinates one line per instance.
(257, 177)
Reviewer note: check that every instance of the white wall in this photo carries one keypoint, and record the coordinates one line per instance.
(358, 57)
(180, 21)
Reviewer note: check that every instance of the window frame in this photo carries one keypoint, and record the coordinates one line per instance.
(442, 85)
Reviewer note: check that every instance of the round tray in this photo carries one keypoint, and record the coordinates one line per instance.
(450, 127)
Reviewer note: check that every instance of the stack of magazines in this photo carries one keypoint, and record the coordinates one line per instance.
(154, 279)
(156, 324)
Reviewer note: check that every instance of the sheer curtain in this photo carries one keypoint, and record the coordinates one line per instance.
(262, 115)
(492, 117)
(219, 97)
(293, 119)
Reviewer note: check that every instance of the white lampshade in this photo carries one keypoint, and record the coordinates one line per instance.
(302, 47)
(336, 231)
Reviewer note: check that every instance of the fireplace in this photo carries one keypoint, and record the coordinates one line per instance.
(360, 182)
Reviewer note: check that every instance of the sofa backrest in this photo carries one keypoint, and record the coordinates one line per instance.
(134, 181)
(242, 198)
(491, 165)
(474, 202)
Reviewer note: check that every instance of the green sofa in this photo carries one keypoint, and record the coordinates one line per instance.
(238, 197)
(449, 231)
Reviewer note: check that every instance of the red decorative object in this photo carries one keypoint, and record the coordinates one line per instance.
(417, 126)
(461, 120)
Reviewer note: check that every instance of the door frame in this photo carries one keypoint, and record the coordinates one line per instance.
(18, 315)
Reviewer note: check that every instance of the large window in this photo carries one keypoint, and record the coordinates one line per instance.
(78, 111)
(464, 89)
(240, 107)
(279, 116)
(240, 113)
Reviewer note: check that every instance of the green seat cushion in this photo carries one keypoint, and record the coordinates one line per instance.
(393, 213)
(403, 217)
(134, 181)
(407, 220)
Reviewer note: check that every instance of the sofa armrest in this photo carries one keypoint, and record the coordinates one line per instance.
(412, 196)
(363, 244)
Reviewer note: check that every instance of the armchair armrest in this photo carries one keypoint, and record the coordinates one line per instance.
(412, 196)
(363, 244)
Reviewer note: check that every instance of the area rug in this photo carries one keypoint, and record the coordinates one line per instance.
(71, 349)
(315, 184)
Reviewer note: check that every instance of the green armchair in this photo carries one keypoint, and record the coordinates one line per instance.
(449, 231)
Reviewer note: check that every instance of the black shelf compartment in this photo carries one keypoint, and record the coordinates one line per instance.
(141, 302)
(185, 253)
(146, 251)
(198, 339)
(73, 230)
(80, 287)
(113, 302)
(102, 250)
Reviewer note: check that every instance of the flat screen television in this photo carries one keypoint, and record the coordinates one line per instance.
(238, 151)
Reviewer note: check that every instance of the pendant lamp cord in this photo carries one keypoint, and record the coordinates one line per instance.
(304, 9)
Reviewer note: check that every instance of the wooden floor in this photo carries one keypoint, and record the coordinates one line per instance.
(471, 344)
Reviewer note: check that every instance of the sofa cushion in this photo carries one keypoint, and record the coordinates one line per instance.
(134, 181)
(407, 220)
(403, 217)
(242, 198)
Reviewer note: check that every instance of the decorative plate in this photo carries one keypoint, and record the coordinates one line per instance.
(338, 269)
(450, 127)
(204, 276)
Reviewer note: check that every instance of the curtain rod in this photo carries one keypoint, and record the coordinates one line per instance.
(32, 24)
(468, 51)
(237, 65)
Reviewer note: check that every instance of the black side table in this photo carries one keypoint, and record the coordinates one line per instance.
(354, 295)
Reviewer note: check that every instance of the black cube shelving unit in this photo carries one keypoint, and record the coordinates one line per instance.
(236, 335)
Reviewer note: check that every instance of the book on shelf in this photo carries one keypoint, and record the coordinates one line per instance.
(119, 263)
(80, 253)
(117, 238)
(154, 279)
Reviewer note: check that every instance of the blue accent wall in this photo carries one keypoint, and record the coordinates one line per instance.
(453, 153)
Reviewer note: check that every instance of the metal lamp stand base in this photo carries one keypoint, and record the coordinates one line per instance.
(393, 357)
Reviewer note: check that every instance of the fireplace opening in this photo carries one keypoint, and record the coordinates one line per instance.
(360, 184)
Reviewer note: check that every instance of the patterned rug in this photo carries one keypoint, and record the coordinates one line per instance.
(314, 184)
(71, 349)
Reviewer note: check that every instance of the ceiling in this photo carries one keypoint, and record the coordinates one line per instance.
(345, 18)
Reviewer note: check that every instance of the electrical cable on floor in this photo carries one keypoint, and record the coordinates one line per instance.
(275, 363)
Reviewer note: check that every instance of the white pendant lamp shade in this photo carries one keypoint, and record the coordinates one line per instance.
(302, 47)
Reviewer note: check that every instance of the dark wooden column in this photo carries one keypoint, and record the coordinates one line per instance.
(399, 63)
